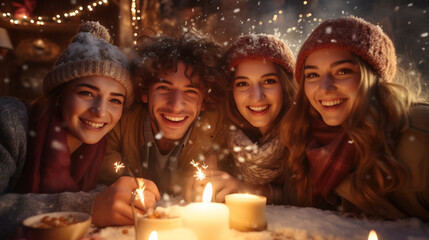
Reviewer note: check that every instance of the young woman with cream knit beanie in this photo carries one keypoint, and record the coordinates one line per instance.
(84, 95)
(358, 138)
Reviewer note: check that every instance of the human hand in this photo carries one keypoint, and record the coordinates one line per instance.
(113, 205)
(224, 184)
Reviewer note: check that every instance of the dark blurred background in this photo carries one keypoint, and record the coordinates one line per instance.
(28, 50)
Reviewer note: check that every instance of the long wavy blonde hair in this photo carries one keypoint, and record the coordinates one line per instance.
(377, 119)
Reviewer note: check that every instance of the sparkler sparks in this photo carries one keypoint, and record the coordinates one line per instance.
(118, 166)
(199, 172)
(140, 191)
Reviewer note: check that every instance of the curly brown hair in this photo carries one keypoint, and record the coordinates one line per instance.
(198, 51)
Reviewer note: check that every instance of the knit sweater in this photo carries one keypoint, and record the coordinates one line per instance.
(13, 148)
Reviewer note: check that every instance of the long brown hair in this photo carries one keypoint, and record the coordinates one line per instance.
(377, 119)
(289, 88)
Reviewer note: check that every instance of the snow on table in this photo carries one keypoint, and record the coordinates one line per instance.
(293, 223)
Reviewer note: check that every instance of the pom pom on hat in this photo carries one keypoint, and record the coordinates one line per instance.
(260, 46)
(91, 54)
(97, 30)
(362, 38)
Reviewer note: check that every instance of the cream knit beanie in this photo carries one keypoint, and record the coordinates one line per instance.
(91, 53)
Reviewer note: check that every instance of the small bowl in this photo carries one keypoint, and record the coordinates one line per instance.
(72, 231)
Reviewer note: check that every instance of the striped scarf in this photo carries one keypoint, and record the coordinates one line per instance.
(257, 164)
(331, 155)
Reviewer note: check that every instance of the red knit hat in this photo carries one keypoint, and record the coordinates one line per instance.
(364, 39)
(260, 46)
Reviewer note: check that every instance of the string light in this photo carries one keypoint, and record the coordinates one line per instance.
(58, 18)
(134, 19)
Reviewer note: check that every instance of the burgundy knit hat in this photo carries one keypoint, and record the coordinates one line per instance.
(260, 46)
(364, 39)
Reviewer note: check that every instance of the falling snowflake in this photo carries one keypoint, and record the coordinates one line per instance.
(425, 34)
(237, 149)
(158, 136)
(32, 133)
(237, 10)
(57, 145)
(328, 30)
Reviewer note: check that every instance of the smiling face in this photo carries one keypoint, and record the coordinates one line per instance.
(258, 93)
(331, 82)
(174, 102)
(92, 107)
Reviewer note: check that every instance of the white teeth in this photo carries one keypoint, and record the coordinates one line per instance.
(258, 109)
(174, 119)
(92, 124)
(331, 103)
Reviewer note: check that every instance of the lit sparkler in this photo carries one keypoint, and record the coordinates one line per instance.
(140, 191)
(199, 172)
(118, 166)
(139, 181)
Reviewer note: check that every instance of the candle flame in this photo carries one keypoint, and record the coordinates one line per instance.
(199, 173)
(372, 235)
(118, 166)
(153, 235)
(207, 194)
(140, 190)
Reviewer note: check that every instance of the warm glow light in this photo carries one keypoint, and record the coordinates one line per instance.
(118, 166)
(199, 172)
(207, 194)
(140, 190)
(372, 235)
(153, 235)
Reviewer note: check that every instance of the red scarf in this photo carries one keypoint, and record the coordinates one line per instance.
(331, 155)
(49, 167)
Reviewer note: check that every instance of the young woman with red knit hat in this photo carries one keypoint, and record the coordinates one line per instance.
(261, 89)
(357, 135)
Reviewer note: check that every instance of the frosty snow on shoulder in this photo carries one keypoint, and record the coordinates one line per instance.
(260, 90)
(175, 118)
(358, 132)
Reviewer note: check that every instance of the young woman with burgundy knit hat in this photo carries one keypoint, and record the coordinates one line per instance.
(357, 133)
(261, 89)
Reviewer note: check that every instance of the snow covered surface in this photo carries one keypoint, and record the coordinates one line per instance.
(290, 223)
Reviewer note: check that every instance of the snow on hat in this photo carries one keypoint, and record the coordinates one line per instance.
(91, 53)
(364, 39)
(260, 46)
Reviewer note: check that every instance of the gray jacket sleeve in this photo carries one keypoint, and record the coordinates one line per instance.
(14, 208)
(13, 141)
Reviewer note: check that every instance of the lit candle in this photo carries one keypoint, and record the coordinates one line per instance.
(246, 211)
(208, 220)
(372, 235)
(153, 236)
(145, 226)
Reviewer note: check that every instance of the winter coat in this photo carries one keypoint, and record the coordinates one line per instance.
(14, 208)
(412, 199)
(126, 144)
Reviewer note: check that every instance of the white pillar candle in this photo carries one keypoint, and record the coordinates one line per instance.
(208, 220)
(246, 211)
(145, 226)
